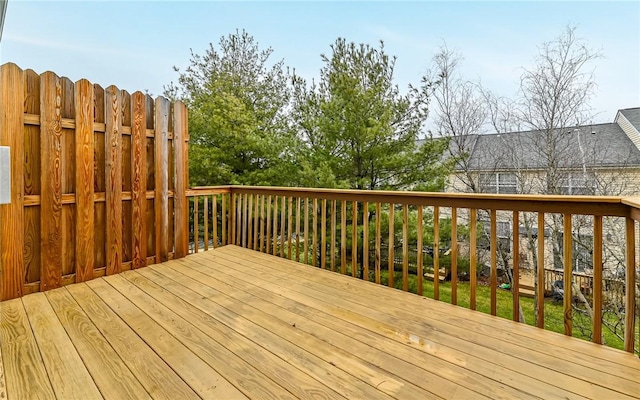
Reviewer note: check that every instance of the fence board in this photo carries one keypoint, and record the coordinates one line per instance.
(161, 178)
(113, 194)
(139, 179)
(181, 181)
(84, 181)
(51, 180)
(11, 215)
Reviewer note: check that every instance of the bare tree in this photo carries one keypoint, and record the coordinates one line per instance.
(460, 112)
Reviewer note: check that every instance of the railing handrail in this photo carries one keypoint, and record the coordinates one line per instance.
(615, 206)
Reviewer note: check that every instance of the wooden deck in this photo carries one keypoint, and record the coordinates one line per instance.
(233, 323)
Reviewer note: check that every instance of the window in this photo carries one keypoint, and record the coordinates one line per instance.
(501, 182)
(581, 253)
(577, 184)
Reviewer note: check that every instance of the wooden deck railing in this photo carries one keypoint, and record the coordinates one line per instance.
(404, 239)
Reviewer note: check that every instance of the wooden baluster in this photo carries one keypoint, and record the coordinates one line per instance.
(214, 205)
(343, 239)
(275, 225)
(262, 222)
(268, 239)
(283, 221)
(290, 228)
(567, 278)
(354, 239)
(206, 223)
(420, 253)
(223, 200)
(515, 287)
(473, 257)
(256, 224)
(245, 222)
(365, 240)
(541, 273)
(306, 231)
(392, 265)
(298, 229)
(405, 247)
(314, 232)
(323, 235)
(333, 234)
(378, 242)
(436, 253)
(250, 222)
(454, 256)
(597, 279)
(630, 286)
(196, 228)
(494, 262)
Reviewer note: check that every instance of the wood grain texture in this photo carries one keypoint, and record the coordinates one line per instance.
(161, 168)
(139, 179)
(109, 372)
(12, 271)
(51, 181)
(507, 347)
(32, 248)
(181, 182)
(67, 373)
(160, 381)
(252, 382)
(113, 171)
(25, 374)
(127, 177)
(84, 149)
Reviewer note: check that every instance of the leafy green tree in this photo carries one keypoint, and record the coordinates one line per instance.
(238, 122)
(360, 131)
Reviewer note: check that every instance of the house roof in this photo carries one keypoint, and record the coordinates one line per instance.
(632, 115)
(598, 145)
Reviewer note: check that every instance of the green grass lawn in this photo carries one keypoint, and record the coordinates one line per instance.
(553, 311)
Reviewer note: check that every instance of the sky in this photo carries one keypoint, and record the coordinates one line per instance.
(135, 45)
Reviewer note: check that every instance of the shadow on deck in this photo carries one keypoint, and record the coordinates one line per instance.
(234, 323)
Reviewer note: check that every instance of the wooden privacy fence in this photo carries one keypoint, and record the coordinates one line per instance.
(98, 180)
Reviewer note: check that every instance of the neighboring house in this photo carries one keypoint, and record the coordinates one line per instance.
(597, 159)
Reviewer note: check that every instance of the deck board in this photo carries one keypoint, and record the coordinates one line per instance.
(234, 323)
(481, 339)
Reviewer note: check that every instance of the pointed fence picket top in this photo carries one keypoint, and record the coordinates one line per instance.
(98, 181)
